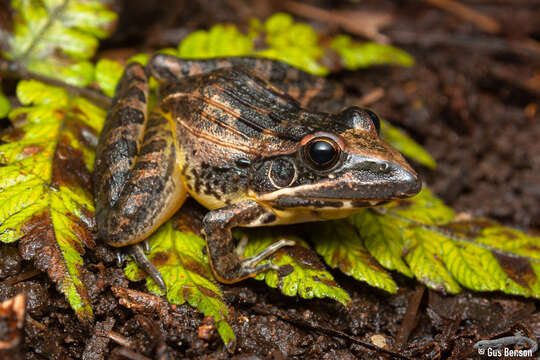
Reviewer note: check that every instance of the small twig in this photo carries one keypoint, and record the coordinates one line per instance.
(522, 47)
(371, 97)
(21, 277)
(35, 323)
(327, 330)
(15, 70)
(361, 23)
(484, 22)
(130, 354)
(153, 333)
(119, 339)
(409, 323)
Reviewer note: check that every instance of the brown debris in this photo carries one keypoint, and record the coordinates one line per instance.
(129, 354)
(484, 22)
(12, 311)
(96, 347)
(140, 302)
(154, 333)
(21, 277)
(68, 167)
(371, 97)
(207, 330)
(298, 321)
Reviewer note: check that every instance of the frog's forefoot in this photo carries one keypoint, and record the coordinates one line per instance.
(248, 267)
(121, 256)
(251, 261)
(137, 252)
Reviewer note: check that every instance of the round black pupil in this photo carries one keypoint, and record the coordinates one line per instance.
(321, 152)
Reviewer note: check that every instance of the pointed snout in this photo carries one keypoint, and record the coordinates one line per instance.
(395, 178)
(405, 181)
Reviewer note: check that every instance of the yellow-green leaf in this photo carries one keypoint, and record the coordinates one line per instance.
(341, 247)
(220, 40)
(424, 208)
(108, 73)
(511, 256)
(421, 236)
(382, 238)
(487, 232)
(46, 198)
(181, 260)
(423, 255)
(56, 38)
(361, 55)
(5, 105)
(300, 271)
(295, 43)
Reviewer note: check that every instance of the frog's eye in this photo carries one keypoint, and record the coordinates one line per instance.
(322, 153)
(374, 119)
(363, 119)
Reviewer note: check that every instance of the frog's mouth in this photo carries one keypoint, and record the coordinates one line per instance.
(351, 188)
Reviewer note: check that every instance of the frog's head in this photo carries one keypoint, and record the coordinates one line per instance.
(343, 164)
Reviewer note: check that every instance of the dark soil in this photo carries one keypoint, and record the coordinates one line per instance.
(472, 100)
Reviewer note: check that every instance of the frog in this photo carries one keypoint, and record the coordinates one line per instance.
(255, 141)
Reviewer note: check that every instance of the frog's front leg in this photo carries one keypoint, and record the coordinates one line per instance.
(225, 262)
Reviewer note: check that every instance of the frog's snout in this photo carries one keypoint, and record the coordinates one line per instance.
(395, 178)
(406, 181)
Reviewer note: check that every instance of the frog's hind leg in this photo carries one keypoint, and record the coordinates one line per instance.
(120, 139)
(224, 259)
(138, 184)
(312, 92)
(151, 195)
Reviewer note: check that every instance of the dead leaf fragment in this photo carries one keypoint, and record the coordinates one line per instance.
(13, 310)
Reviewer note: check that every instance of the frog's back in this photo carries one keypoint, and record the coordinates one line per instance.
(235, 109)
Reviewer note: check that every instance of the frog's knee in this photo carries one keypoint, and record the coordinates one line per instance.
(163, 67)
(109, 231)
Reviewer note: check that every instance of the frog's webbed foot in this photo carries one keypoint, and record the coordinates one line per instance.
(224, 257)
(138, 253)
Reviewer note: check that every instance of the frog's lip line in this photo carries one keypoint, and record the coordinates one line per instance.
(371, 202)
(283, 194)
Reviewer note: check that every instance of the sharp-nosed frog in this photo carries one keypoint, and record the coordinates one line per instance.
(236, 134)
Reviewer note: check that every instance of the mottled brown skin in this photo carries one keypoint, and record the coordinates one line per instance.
(235, 135)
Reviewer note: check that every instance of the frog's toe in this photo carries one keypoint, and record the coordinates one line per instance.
(146, 246)
(251, 261)
(241, 247)
(136, 251)
(121, 256)
(252, 271)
